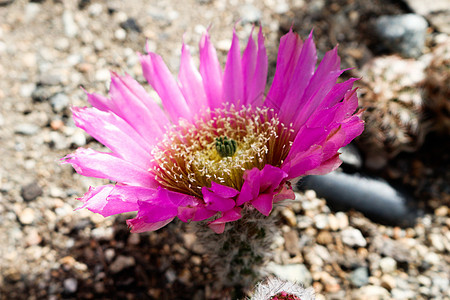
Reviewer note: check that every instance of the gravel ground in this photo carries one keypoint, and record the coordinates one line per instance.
(49, 49)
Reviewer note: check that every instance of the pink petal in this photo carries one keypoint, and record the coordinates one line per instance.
(218, 226)
(327, 166)
(159, 77)
(109, 200)
(337, 92)
(303, 161)
(159, 210)
(190, 82)
(248, 67)
(284, 194)
(352, 127)
(306, 138)
(90, 163)
(257, 85)
(211, 72)
(215, 202)
(131, 109)
(288, 55)
(250, 188)
(271, 178)
(139, 225)
(263, 203)
(133, 99)
(322, 82)
(304, 70)
(334, 141)
(233, 90)
(203, 213)
(100, 102)
(223, 190)
(348, 105)
(115, 133)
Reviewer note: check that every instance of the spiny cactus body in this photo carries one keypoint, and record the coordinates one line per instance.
(394, 104)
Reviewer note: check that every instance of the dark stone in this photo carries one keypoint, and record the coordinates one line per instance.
(41, 94)
(374, 197)
(131, 25)
(31, 191)
(404, 34)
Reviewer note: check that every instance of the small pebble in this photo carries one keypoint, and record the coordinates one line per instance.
(359, 277)
(432, 258)
(437, 241)
(353, 237)
(31, 191)
(120, 34)
(59, 102)
(371, 292)
(324, 238)
(250, 14)
(388, 265)
(294, 272)
(121, 263)
(441, 211)
(388, 282)
(27, 216)
(70, 28)
(70, 285)
(289, 216)
(26, 129)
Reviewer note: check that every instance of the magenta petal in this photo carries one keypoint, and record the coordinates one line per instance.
(158, 75)
(263, 203)
(258, 83)
(248, 67)
(233, 90)
(211, 72)
(215, 202)
(129, 99)
(327, 166)
(303, 161)
(107, 199)
(139, 225)
(284, 194)
(218, 226)
(302, 74)
(190, 82)
(288, 55)
(353, 127)
(157, 114)
(115, 133)
(203, 213)
(250, 188)
(271, 177)
(223, 190)
(88, 162)
(337, 92)
(348, 106)
(306, 138)
(100, 102)
(155, 212)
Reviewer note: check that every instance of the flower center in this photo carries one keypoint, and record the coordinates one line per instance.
(225, 147)
(220, 146)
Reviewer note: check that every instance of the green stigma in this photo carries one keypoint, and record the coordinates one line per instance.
(225, 147)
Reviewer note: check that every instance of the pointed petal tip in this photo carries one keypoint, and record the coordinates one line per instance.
(217, 228)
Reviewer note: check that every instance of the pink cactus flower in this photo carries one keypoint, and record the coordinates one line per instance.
(219, 145)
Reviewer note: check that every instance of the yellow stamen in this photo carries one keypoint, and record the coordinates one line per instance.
(220, 146)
